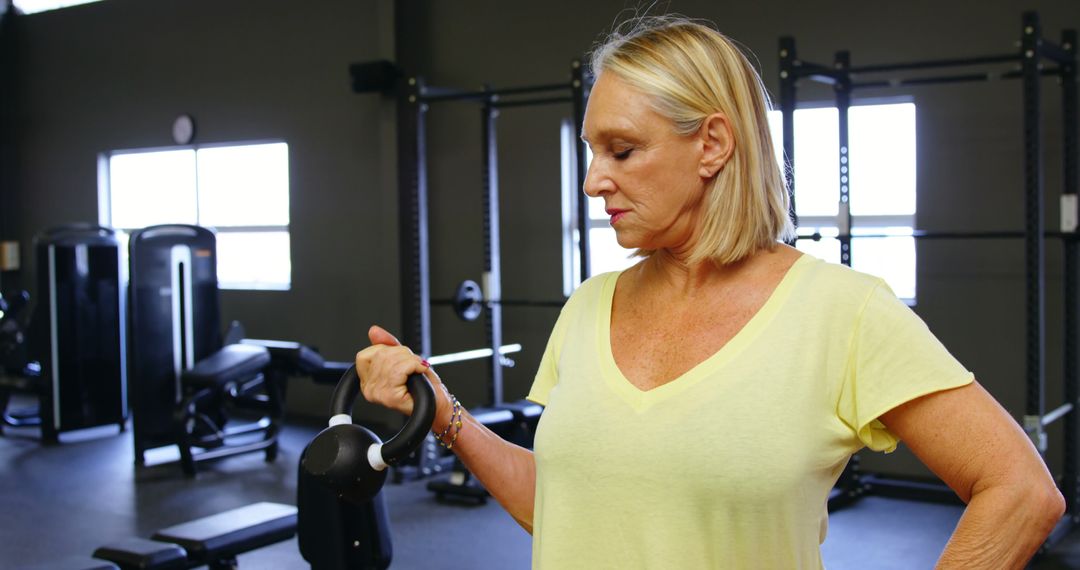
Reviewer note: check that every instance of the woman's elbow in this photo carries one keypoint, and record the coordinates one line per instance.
(1053, 504)
(1032, 498)
(1043, 506)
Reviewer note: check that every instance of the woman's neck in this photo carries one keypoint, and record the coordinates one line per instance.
(675, 273)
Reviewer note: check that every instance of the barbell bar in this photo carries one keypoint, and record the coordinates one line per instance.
(473, 354)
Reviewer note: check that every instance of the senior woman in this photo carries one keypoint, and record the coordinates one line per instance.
(701, 404)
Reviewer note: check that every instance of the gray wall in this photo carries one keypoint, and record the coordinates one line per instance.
(113, 75)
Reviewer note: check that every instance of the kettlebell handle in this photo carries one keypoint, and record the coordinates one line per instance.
(410, 436)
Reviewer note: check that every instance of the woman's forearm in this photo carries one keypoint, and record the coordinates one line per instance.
(1002, 527)
(506, 470)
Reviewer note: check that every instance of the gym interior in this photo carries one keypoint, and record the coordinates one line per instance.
(204, 206)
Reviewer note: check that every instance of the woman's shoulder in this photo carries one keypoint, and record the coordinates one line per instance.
(598, 281)
(835, 280)
(593, 288)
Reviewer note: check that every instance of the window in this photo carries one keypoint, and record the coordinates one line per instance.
(35, 6)
(881, 188)
(242, 191)
(882, 191)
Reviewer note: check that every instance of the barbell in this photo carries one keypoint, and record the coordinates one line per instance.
(468, 301)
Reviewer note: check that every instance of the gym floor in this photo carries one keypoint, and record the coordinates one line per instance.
(68, 499)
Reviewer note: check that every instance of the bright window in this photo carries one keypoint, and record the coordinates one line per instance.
(881, 178)
(35, 6)
(881, 181)
(241, 191)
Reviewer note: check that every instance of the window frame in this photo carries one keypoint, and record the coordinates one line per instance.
(861, 223)
(105, 202)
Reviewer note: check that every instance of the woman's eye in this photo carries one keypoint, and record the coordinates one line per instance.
(622, 154)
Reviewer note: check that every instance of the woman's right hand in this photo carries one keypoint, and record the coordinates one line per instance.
(384, 367)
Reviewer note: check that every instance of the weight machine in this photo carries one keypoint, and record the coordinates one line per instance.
(74, 358)
(1029, 61)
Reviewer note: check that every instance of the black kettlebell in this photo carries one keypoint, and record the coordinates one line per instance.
(350, 459)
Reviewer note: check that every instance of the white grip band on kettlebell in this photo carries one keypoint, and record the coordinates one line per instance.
(375, 458)
(340, 419)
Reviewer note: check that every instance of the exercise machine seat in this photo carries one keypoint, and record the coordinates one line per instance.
(233, 363)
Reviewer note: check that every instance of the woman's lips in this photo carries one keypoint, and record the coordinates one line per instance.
(616, 215)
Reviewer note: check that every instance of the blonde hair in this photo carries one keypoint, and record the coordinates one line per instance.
(691, 71)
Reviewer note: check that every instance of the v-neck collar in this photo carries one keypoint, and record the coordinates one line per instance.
(640, 399)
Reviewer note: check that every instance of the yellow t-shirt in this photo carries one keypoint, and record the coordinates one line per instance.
(730, 465)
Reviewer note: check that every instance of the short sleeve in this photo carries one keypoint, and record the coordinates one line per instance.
(582, 301)
(894, 358)
(547, 375)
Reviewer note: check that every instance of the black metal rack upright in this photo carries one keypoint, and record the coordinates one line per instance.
(1033, 53)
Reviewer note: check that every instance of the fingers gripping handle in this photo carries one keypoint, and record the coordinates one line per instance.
(418, 425)
(412, 434)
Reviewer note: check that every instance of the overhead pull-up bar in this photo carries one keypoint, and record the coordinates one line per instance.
(936, 63)
(439, 94)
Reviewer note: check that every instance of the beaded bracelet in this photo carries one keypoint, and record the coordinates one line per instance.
(455, 423)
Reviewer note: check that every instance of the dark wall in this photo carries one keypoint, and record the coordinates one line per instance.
(8, 113)
(113, 75)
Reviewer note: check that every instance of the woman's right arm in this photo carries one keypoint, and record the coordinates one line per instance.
(506, 470)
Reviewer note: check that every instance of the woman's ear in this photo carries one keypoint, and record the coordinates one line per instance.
(717, 144)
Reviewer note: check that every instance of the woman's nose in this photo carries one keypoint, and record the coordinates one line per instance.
(597, 182)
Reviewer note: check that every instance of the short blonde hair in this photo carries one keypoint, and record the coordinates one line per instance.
(691, 71)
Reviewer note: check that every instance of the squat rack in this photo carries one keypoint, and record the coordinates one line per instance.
(414, 99)
(1034, 51)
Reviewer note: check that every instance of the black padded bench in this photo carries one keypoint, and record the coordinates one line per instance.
(213, 541)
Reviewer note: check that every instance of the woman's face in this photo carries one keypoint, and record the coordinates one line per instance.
(647, 174)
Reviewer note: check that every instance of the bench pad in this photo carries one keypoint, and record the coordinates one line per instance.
(233, 363)
(73, 563)
(142, 553)
(295, 355)
(232, 532)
